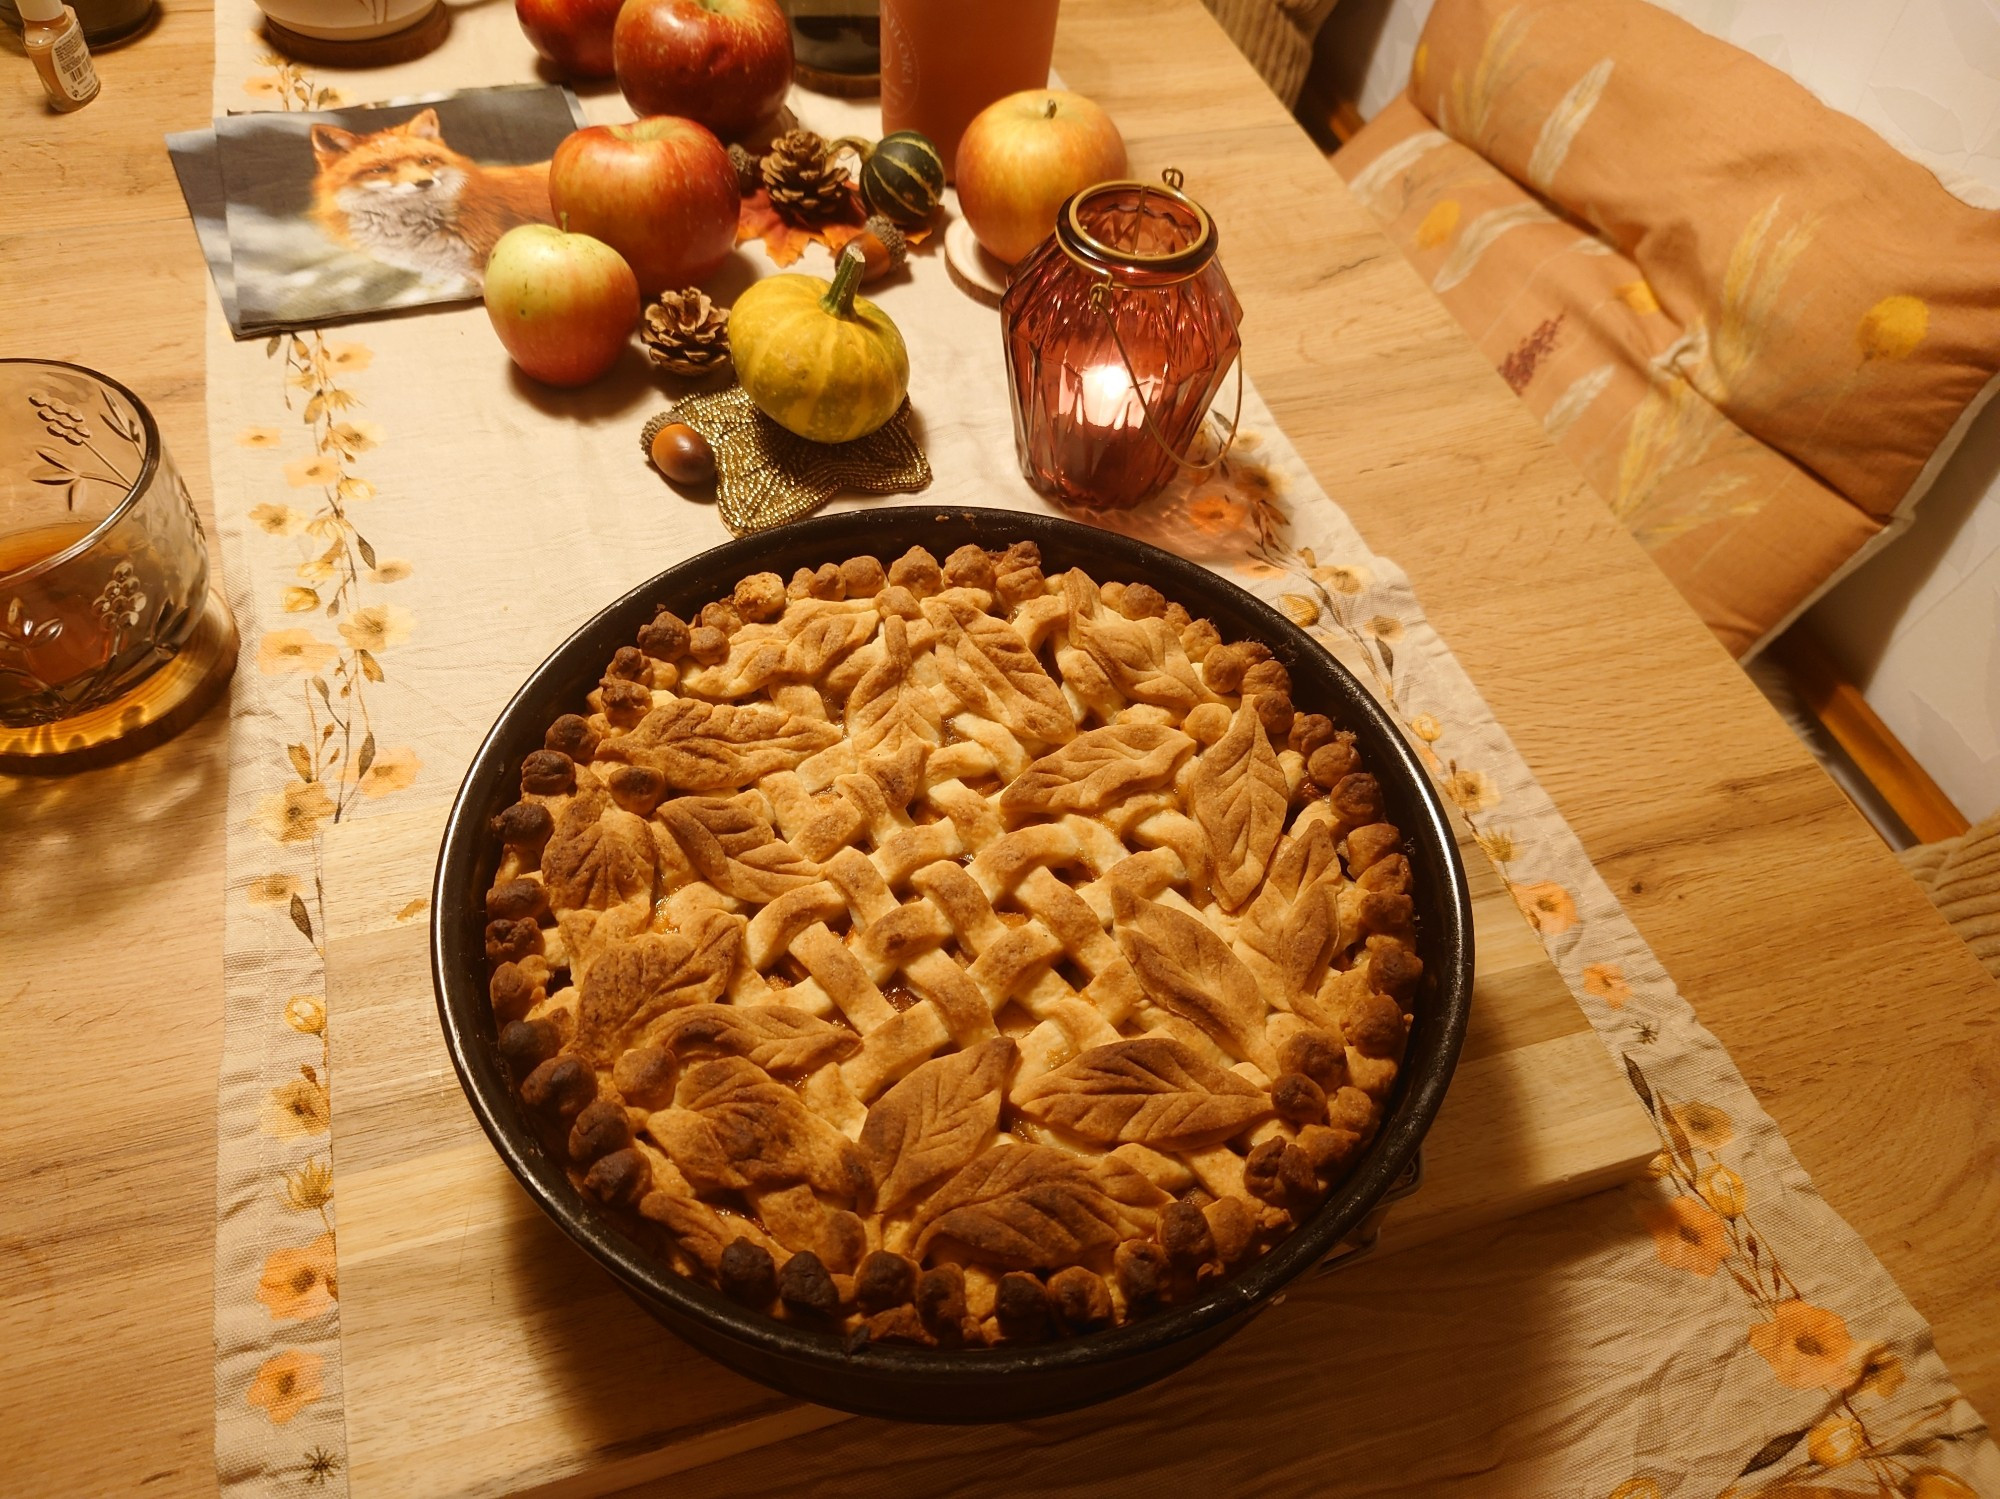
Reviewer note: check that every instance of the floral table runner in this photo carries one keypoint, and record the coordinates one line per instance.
(409, 528)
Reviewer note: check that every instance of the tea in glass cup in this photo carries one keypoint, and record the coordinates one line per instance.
(103, 565)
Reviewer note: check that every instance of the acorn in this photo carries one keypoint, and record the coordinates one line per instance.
(883, 249)
(682, 454)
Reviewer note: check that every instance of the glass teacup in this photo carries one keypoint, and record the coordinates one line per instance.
(103, 566)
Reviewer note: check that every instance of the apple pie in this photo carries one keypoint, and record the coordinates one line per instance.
(950, 954)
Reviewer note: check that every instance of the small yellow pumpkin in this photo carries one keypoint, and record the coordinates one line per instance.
(815, 358)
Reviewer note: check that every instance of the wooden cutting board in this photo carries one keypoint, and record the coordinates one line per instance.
(486, 1354)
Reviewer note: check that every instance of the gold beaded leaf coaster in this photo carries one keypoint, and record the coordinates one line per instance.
(766, 476)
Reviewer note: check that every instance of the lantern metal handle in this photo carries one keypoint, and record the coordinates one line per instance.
(1101, 300)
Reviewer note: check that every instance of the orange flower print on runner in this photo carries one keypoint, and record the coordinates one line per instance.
(1550, 909)
(1470, 791)
(1836, 1441)
(1607, 982)
(300, 1284)
(292, 650)
(1807, 1346)
(299, 1107)
(1687, 1235)
(294, 814)
(1636, 1488)
(272, 889)
(1723, 1190)
(1706, 1126)
(290, 85)
(286, 1384)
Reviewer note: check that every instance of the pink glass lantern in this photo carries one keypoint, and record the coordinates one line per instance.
(1119, 330)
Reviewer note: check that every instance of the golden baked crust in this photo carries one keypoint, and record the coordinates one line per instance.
(950, 954)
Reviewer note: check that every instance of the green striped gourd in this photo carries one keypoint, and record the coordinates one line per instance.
(903, 178)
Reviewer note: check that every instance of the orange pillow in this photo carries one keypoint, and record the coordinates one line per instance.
(1577, 333)
(1842, 306)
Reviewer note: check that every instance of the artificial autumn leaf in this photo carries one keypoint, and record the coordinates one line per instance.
(1290, 924)
(935, 1120)
(777, 1038)
(1153, 1091)
(785, 240)
(1023, 1205)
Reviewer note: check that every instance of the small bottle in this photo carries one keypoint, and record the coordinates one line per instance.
(55, 42)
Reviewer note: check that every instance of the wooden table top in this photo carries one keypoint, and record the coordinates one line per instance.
(1865, 1027)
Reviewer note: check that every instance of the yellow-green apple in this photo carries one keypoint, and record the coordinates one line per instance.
(726, 63)
(563, 304)
(1022, 157)
(660, 191)
(574, 35)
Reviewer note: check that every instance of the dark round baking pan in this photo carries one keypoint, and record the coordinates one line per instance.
(974, 1385)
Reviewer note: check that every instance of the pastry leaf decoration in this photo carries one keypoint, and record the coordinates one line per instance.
(634, 983)
(1291, 923)
(599, 864)
(777, 1038)
(734, 848)
(1097, 769)
(812, 635)
(888, 711)
(1143, 658)
(1026, 1206)
(732, 1127)
(935, 1120)
(702, 746)
(1186, 968)
(1239, 798)
(989, 667)
(1152, 1091)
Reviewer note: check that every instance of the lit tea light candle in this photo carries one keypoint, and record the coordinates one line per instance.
(1102, 396)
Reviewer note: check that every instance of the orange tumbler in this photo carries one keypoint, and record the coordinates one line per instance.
(945, 60)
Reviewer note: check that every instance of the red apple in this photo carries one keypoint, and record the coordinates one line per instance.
(660, 191)
(575, 35)
(563, 304)
(1021, 158)
(726, 63)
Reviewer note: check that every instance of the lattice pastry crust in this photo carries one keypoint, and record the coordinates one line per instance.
(951, 955)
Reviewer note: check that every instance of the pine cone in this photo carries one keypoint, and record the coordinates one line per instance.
(805, 177)
(749, 170)
(686, 333)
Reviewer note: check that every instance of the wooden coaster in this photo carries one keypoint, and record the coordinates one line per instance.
(980, 276)
(159, 708)
(838, 85)
(423, 36)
